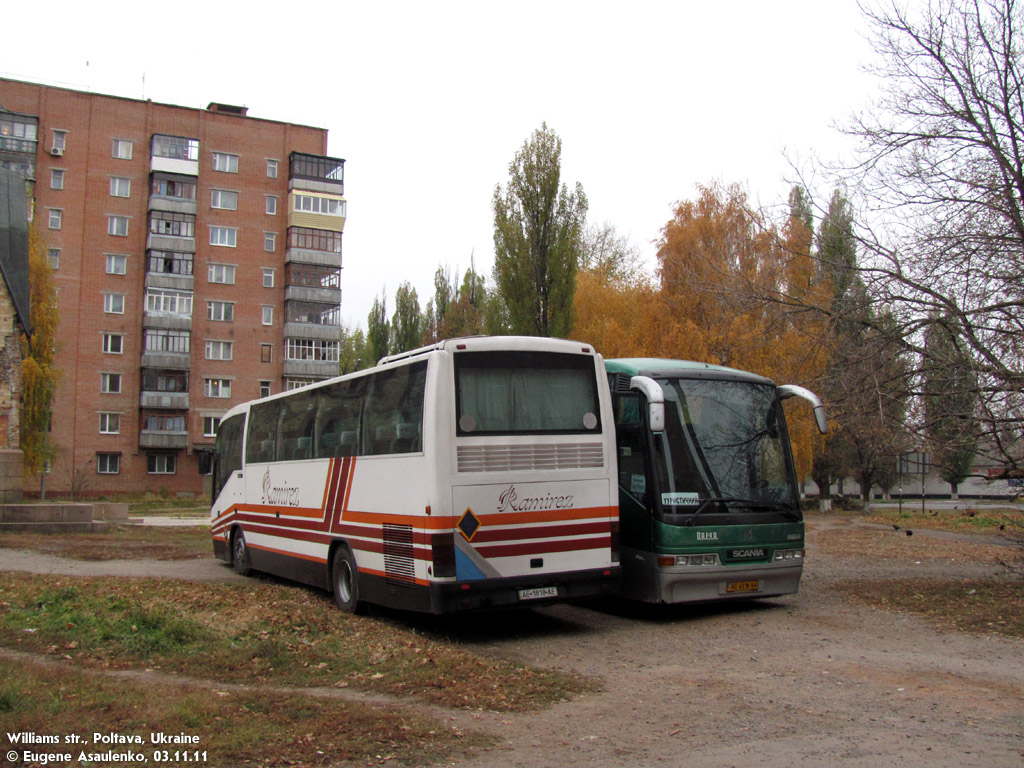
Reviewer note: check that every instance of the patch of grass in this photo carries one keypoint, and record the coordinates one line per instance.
(129, 542)
(983, 607)
(969, 519)
(260, 632)
(291, 729)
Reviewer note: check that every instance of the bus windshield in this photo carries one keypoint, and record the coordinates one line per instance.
(723, 451)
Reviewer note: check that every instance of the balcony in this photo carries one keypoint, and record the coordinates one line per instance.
(174, 154)
(151, 439)
(316, 173)
(176, 361)
(330, 296)
(310, 368)
(315, 211)
(174, 400)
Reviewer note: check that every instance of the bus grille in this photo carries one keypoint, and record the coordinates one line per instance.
(506, 458)
(399, 561)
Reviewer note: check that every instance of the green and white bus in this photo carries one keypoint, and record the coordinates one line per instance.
(708, 502)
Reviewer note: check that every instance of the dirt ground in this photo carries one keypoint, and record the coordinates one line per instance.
(804, 680)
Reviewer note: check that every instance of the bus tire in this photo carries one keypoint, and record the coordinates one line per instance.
(240, 554)
(345, 581)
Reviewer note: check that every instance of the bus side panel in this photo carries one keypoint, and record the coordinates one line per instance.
(222, 512)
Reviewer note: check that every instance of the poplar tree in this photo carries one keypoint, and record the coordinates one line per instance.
(538, 239)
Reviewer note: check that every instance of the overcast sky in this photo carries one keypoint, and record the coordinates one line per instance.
(428, 102)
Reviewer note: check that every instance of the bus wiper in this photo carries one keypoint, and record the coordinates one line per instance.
(777, 506)
(714, 500)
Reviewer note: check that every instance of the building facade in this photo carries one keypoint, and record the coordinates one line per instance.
(197, 255)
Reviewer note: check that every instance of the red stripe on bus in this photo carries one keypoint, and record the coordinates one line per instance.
(543, 547)
(485, 534)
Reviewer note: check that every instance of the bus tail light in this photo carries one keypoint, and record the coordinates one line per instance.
(615, 540)
(442, 547)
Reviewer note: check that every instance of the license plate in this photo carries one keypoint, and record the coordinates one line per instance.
(537, 593)
(741, 586)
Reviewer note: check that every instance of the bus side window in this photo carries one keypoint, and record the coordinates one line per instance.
(337, 418)
(229, 450)
(262, 435)
(393, 421)
(298, 417)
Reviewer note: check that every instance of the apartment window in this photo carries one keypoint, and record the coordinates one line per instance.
(163, 422)
(161, 463)
(268, 277)
(174, 224)
(173, 302)
(272, 169)
(164, 381)
(223, 198)
(121, 149)
(120, 186)
(266, 353)
(170, 262)
(117, 226)
(113, 303)
(225, 162)
(55, 218)
(219, 350)
(226, 236)
(268, 314)
(174, 187)
(314, 239)
(264, 389)
(220, 311)
(221, 273)
(56, 178)
(317, 350)
(117, 264)
(110, 383)
(53, 258)
(271, 205)
(210, 425)
(328, 206)
(175, 147)
(113, 343)
(163, 340)
(110, 423)
(217, 387)
(108, 463)
(60, 141)
(269, 242)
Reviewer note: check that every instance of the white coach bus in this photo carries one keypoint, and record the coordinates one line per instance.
(470, 474)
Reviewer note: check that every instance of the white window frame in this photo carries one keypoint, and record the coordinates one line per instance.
(224, 162)
(60, 140)
(271, 205)
(268, 277)
(169, 462)
(225, 237)
(108, 343)
(122, 149)
(117, 264)
(217, 388)
(266, 388)
(270, 242)
(107, 381)
(53, 258)
(114, 228)
(224, 199)
(56, 178)
(108, 463)
(113, 303)
(54, 218)
(271, 168)
(110, 423)
(217, 349)
(210, 425)
(223, 274)
(120, 186)
(220, 311)
(267, 314)
(169, 301)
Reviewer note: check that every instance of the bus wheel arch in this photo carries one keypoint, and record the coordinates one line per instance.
(345, 579)
(240, 560)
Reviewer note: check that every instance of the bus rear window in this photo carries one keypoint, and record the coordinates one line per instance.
(508, 393)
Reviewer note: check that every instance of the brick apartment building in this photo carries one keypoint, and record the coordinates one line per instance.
(197, 255)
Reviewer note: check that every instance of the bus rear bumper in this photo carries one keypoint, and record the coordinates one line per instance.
(523, 592)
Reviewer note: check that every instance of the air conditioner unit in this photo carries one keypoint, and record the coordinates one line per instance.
(57, 151)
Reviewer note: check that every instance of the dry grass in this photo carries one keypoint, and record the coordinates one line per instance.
(266, 633)
(129, 542)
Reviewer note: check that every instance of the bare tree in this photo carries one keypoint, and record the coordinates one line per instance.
(940, 181)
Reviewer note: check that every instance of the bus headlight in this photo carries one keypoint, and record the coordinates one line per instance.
(671, 560)
(789, 554)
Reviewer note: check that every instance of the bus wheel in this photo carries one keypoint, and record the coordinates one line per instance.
(345, 581)
(240, 554)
